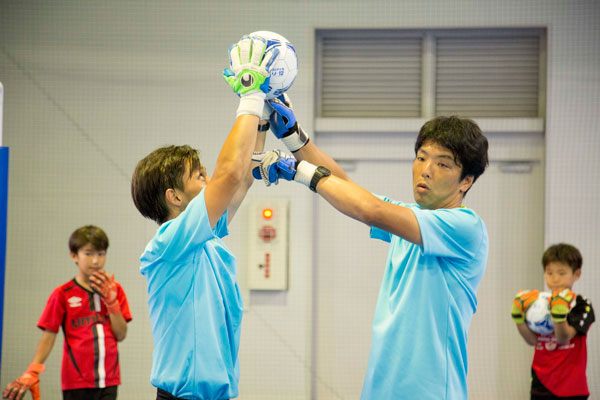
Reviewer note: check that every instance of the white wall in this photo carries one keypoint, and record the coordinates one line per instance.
(91, 87)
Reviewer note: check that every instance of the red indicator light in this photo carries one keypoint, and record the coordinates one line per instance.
(267, 213)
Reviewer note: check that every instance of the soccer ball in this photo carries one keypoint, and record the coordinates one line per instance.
(538, 317)
(285, 67)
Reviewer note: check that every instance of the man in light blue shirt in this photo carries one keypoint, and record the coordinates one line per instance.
(195, 303)
(437, 256)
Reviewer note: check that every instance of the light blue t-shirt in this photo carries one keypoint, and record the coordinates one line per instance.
(424, 309)
(195, 306)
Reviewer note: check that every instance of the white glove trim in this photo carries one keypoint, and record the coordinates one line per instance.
(295, 141)
(305, 172)
(252, 103)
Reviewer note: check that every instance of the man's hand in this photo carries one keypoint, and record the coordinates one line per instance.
(29, 380)
(273, 165)
(276, 164)
(284, 125)
(250, 73)
(523, 300)
(106, 287)
(560, 304)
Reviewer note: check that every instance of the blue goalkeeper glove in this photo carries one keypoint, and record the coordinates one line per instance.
(250, 74)
(284, 125)
(275, 164)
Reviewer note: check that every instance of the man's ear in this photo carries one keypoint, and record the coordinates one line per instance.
(172, 197)
(466, 183)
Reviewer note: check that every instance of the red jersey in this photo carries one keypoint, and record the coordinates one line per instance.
(90, 354)
(561, 368)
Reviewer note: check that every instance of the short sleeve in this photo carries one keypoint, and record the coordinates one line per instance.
(377, 233)
(581, 316)
(189, 230)
(455, 233)
(123, 303)
(54, 312)
(221, 229)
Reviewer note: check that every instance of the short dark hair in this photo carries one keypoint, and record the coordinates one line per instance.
(463, 138)
(154, 174)
(88, 234)
(564, 253)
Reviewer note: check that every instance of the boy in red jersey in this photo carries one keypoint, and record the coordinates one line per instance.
(93, 311)
(560, 359)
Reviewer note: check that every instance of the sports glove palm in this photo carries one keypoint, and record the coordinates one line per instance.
(29, 380)
(560, 304)
(284, 125)
(106, 287)
(275, 164)
(250, 74)
(523, 300)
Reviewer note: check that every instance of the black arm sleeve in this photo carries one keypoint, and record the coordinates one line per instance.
(581, 315)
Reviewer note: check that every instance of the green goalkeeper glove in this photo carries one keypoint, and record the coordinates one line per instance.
(523, 300)
(560, 303)
(250, 74)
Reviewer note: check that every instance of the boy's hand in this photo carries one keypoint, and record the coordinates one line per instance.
(29, 380)
(250, 74)
(106, 287)
(560, 303)
(523, 300)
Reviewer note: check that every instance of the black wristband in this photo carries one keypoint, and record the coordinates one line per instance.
(264, 127)
(320, 173)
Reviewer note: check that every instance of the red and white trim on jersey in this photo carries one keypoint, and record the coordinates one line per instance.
(90, 356)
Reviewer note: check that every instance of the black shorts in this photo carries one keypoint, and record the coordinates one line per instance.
(107, 393)
(540, 392)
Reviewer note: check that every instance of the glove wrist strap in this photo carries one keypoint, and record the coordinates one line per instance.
(113, 307)
(305, 172)
(36, 367)
(252, 104)
(296, 141)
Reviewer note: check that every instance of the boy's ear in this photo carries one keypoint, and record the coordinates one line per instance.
(172, 197)
(74, 257)
(577, 274)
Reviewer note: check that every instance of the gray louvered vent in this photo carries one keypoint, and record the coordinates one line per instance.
(370, 75)
(488, 76)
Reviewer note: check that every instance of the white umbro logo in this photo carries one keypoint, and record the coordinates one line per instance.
(74, 301)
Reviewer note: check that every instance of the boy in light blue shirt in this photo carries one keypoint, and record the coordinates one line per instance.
(437, 256)
(195, 303)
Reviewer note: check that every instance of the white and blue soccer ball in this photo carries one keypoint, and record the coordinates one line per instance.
(285, 67)
(538, 316)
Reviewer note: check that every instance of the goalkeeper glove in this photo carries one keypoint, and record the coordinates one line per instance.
(560, 303)
(273, 165)
(523, 300)
(284, 125)
(29, 380)
(250, 74)
(276, 164)
(106, 287)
